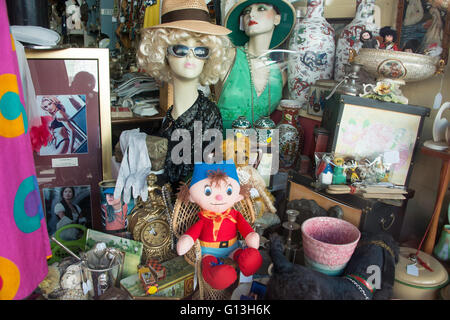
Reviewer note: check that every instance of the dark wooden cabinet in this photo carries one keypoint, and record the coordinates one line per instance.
(371, 215)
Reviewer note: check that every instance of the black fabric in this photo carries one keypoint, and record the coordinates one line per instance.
(202, 110)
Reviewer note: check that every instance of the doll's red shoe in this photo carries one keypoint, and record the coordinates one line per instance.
(218, 275)
(249, 260)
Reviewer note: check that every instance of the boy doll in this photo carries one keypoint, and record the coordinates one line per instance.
(389, 38)
(215, 189)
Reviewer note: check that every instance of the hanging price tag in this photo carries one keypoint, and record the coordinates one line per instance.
(438, 97)
(412, 269)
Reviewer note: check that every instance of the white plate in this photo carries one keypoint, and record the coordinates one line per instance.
(35, 35)
(440, 146)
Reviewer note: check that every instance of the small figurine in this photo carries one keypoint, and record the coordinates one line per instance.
(351, 171)
(368, 40)
(412, 46)
(148, 280)
(339, 176)
(73, 14)
(433, 50)
(326, 176)
(389, 36)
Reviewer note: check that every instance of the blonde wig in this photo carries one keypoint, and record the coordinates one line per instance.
(151, 55)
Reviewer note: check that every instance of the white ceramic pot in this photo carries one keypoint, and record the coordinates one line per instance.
(314, 46)
(423, 286)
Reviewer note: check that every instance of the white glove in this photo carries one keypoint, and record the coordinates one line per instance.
(140, 165)
(135, 166)
(124, 170)
(123, 174)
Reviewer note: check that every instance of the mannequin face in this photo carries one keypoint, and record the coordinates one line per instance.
(260, 18)
(188, 67)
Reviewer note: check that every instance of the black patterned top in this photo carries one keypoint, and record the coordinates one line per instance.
(203, 110)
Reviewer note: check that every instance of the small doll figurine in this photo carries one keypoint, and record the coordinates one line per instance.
(389, 36)
(368, 40)
(339, 176)
(215, 188)
(412, 46)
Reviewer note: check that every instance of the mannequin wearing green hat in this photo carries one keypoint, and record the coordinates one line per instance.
(253, 86)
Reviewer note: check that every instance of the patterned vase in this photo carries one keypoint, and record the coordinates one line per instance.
(313, 42)
(264, 127)
(291, 134)
(349, 37)
(241, 126)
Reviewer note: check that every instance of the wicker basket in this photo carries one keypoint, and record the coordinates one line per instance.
(184, 216)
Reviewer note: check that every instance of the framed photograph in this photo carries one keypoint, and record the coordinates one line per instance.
(68, 135)
(422, 26)
(72, 91)
(67, 205)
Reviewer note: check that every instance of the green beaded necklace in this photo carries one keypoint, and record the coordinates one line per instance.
(247, 55)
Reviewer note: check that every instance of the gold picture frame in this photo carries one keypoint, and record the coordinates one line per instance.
(78, 79)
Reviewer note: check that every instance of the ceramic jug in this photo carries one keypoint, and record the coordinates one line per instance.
(350, 35)
(313, 46)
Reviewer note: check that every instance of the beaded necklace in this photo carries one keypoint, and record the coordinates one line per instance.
(247, 55)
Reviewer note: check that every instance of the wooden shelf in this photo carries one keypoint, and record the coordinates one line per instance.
(303, 113)
(137, 119)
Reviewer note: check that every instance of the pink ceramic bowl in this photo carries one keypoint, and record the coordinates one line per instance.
(328, 243)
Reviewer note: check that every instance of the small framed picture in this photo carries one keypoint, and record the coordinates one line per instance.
(67, 205)
(66, 118)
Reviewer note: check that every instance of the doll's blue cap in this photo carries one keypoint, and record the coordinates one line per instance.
(108, 191)
(201, 170)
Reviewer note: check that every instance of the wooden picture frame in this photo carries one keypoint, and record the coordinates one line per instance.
(76, 80)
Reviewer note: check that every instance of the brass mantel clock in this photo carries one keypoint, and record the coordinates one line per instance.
(150, 222)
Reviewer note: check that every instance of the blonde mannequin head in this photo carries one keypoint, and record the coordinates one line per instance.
(152, 53)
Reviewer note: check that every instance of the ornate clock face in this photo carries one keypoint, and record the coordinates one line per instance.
(156, 233)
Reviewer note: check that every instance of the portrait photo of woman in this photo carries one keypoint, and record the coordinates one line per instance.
(67, 205)
(66, 120)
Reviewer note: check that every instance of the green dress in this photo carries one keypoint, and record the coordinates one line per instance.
(236, 97)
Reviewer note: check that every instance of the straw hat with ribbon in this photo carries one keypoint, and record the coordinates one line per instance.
(281, 32)
(190, 15)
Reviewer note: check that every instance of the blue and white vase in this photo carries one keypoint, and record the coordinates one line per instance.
(349, 37)
(314, 46)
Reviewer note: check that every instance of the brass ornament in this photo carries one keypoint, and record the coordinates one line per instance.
(150, 222)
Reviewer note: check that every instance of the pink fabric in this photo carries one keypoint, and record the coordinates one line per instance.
(24, 242)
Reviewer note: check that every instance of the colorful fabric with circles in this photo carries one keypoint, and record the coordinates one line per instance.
(24, 242)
